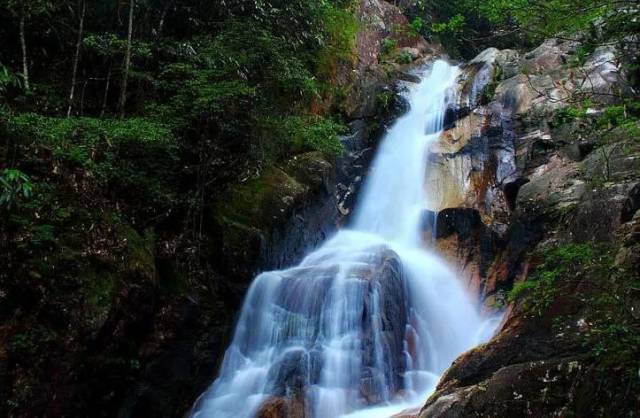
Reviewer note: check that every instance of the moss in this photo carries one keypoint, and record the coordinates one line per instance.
(310, 169)
(264, 200)
(489, 92)
(558, 264)
(139, 251)
(99, 289)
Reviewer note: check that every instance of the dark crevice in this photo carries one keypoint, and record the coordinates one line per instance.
(511, 190)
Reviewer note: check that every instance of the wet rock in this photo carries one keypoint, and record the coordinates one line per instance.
(385, 283)
(516, 390)
(508, 60)
(470, 245)
(379, 20)
(408, 77)
(284, 408)
(290, 375)
(552, 54)
(378, 275)
(272, 221)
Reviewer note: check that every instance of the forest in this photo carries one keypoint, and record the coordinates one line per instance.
(156, 155)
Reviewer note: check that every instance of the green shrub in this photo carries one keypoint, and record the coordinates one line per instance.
(134, 156)
(416, 25)
(404, 58)
(294, 134)
(389, 45)
(569, 114)
(14, 185)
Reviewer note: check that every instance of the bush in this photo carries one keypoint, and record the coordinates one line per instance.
(134, 157)
(389, 45)
(294, 134)
(404, 58)
(14, 184)
(417, 24)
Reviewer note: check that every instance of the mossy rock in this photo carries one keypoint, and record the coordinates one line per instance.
(138, 258)
(263, 201)
(260, 207)
(99, 289)
(243, 247)
(310, 169)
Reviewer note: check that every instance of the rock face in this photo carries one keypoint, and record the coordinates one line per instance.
(498, 138)
(547, 205)
(380, 21)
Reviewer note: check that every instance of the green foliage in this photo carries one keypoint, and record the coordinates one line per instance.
(30, 8)
(583, 51)
(131, 154)
(417, 25)
(8, 80)
(599, 21)
(110, 44)
(32, 340)
(14, 185)
(304, 133)
(612, 335)
(558, 264)
(389, 45)
(613, 341)
(451, 27)
(404, 58)
(384, 99)
(625, 116)
(339, 36)
(568, 114)
(88, 131)
(608, 125)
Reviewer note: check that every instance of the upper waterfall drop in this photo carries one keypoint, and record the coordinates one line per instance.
(394, 195)
(368, 319)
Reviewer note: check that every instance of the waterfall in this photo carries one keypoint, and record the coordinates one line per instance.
(367, 323)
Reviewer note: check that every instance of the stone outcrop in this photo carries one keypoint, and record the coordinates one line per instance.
(379, 277)
(530, 182)
(500, 135)
(379, 21)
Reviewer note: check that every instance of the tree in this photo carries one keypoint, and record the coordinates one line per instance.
(76, 57)
(127, 61)
(24, 10)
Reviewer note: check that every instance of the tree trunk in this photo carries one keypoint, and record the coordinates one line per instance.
(127, 61)
(84, 89)
(76, 58)
(163, 15)
(106, 92)
(23, 45)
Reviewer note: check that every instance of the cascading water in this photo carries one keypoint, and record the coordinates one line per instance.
(370, 319)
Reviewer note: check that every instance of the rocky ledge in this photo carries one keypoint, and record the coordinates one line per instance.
(537, 205)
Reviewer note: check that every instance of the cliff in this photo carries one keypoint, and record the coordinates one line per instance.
(539, 210)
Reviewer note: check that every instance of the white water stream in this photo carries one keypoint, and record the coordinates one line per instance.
(336, 333)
